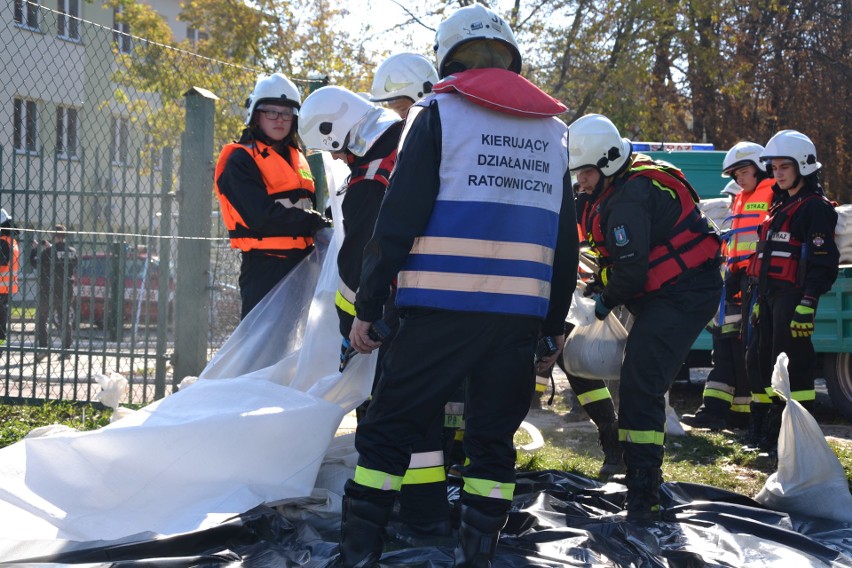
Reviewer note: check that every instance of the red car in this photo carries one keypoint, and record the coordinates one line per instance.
(140, 288)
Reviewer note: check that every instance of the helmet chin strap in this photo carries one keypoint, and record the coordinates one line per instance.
(599, 187)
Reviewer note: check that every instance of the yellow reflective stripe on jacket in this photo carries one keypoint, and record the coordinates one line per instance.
(480, 248)
(487, 283)
(641, 436)
(541, 383)
(741, 408)
(488, 488)
(803, 395)
(377, 479)
(593, 396)
(344, 304)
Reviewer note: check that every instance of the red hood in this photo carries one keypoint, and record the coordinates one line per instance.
(501, 90)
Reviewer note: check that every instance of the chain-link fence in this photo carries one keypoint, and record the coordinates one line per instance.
(91, 120)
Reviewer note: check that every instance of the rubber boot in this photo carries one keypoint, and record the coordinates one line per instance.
(759, 413)
(769, 438)
(362, 527)
(710, 415)
(613, 463)
(478, 536)
(643, 495)
(602, 413)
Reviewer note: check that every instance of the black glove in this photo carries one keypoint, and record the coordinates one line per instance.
(319, 222)
(601, 309)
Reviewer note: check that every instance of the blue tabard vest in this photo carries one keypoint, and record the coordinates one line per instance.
(489, 244)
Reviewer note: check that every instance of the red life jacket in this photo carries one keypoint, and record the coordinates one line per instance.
(777, 243)
(690, 244)
(282, 181)
(379, 169)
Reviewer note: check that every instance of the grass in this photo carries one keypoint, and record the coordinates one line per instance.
(17, 420)
(708, 458)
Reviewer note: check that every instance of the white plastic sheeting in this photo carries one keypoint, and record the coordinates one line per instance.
(254, 429)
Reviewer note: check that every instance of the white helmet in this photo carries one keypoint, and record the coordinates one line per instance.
(4, 216)
(403, 75)
(741, 154)
(594, 141)
(275, 88)
(470, 23)
(731, 189)
(329, 114)
(795, 146)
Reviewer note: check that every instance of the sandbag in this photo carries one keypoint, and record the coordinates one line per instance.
(810, 479)
(595, 351)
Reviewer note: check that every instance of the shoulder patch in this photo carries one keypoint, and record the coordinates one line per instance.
(621, 236)
(818, 240)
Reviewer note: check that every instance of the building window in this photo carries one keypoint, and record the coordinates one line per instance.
(120, 140)
(194, 36)
(26, 14)
(25, 135)
(121, 33)
(67, 20)
(66, 132)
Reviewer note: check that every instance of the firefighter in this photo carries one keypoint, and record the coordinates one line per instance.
(727, 393)
(659, 257)
(366, 137)
(266, 190)
(479, 224)
(402, 80)
(9, 253)
(795, 263)
(56, 264)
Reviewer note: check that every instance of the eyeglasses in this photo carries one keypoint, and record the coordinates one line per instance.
(275, 114)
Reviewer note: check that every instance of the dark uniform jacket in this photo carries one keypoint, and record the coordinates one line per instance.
(361, 204)
(56, 266)
(813, 224)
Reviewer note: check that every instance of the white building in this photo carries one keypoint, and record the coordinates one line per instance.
(70, 141)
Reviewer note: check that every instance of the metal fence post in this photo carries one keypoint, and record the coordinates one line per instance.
(114, 296)
(195, 200)
(164, 289)
(315, 159)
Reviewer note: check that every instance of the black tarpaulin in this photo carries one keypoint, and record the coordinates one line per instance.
(557, 519)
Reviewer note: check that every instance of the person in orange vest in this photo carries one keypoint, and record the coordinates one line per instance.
(8, 268)
(727, 393)
(266, 190)
(796, 261)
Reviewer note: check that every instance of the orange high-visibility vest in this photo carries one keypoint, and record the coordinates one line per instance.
(281, 181)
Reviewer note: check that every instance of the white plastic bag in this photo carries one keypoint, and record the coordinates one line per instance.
(810, 479)
(596, 351)
(582, 311)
